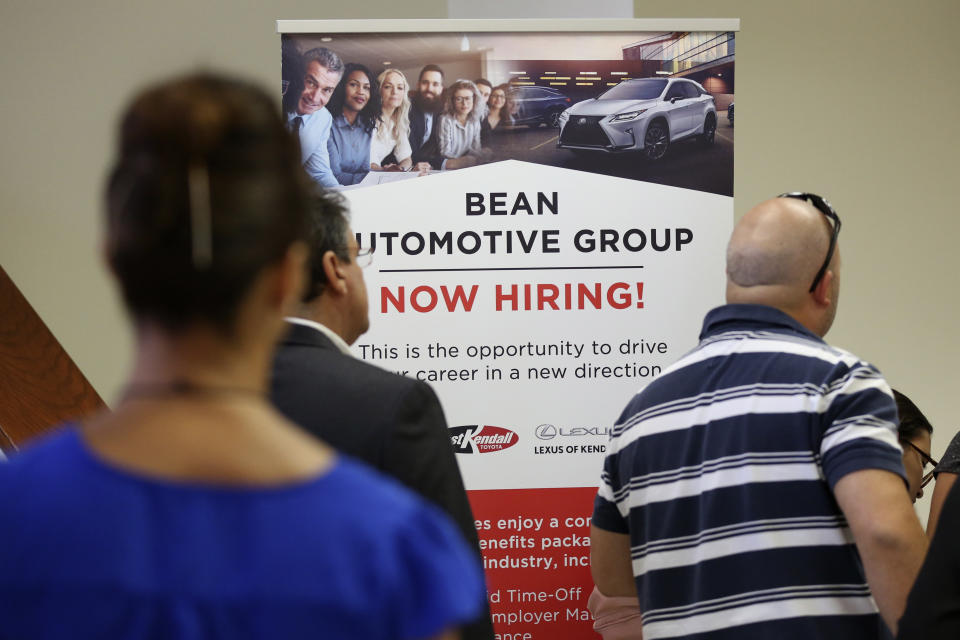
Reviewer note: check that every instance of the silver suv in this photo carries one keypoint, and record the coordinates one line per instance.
(646, 114)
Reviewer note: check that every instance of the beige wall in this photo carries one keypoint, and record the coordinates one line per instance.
(855, 100)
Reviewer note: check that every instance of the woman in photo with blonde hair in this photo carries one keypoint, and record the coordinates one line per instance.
(390, 140)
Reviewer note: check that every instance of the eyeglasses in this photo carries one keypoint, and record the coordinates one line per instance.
(926, 460)
(826, 209)
(364, 257)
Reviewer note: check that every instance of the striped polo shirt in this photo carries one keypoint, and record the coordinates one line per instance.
(722, 470)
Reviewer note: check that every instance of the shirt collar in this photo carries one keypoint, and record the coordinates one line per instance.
(341, 122)
(734, 317)
(294, 115)
(337, 341)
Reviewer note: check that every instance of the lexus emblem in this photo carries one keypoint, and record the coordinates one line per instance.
(546, 432)
(582, 121)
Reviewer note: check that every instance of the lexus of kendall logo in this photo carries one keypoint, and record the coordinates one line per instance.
(475, 438)
(549, 432)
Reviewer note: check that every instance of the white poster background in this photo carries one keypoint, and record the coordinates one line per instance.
(678, 288)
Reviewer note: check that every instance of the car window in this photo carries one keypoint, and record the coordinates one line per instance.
(646, 89)
(690, 90)
(675, 91)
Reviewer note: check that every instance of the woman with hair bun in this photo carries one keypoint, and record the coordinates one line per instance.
(194, 509)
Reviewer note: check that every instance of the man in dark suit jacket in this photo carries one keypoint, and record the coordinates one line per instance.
(393, 423)
(425, 107)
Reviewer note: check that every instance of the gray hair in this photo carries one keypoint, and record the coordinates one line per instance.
(325, 57)
(329, 222)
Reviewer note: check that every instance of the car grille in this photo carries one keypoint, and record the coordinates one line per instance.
(584, 130)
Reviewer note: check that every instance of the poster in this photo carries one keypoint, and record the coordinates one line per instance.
(541, 284)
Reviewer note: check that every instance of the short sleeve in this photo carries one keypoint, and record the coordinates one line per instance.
(950, 462)
(606, 513)
(860, 425)
(437, 582)
(606, 510)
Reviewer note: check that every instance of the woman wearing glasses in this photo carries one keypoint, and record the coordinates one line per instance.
(498, 115)
(913, 432)
(460, 123)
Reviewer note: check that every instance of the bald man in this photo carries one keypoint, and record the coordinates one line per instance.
(756, 489)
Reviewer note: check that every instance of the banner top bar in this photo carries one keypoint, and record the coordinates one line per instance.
(438, 25)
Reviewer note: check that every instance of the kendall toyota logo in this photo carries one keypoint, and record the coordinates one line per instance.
(549, 432)
(475, 438)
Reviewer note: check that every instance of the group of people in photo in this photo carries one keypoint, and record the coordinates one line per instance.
(255, 479)
(351, 121)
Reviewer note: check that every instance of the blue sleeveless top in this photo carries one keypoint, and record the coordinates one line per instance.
(88, 550)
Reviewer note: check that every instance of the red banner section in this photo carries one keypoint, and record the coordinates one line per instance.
(536, 552)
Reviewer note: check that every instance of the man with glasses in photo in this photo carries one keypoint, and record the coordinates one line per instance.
(756, 489)
(392, 422)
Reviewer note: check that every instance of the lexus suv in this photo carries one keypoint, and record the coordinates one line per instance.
(645, 114)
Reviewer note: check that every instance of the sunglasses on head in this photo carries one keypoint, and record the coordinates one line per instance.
(824, 207)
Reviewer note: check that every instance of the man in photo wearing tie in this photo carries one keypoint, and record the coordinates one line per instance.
(309, 119)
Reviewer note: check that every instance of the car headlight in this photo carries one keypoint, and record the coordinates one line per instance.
(629, 115)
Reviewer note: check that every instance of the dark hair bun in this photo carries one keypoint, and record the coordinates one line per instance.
(203, 153)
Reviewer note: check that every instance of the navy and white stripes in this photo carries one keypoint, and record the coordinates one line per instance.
(721, 472)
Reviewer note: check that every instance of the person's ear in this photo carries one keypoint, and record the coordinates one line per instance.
(335, 271)
(823, 293)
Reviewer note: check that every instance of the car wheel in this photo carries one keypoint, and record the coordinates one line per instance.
(553, 118)
(656, 141)
(709, 130)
